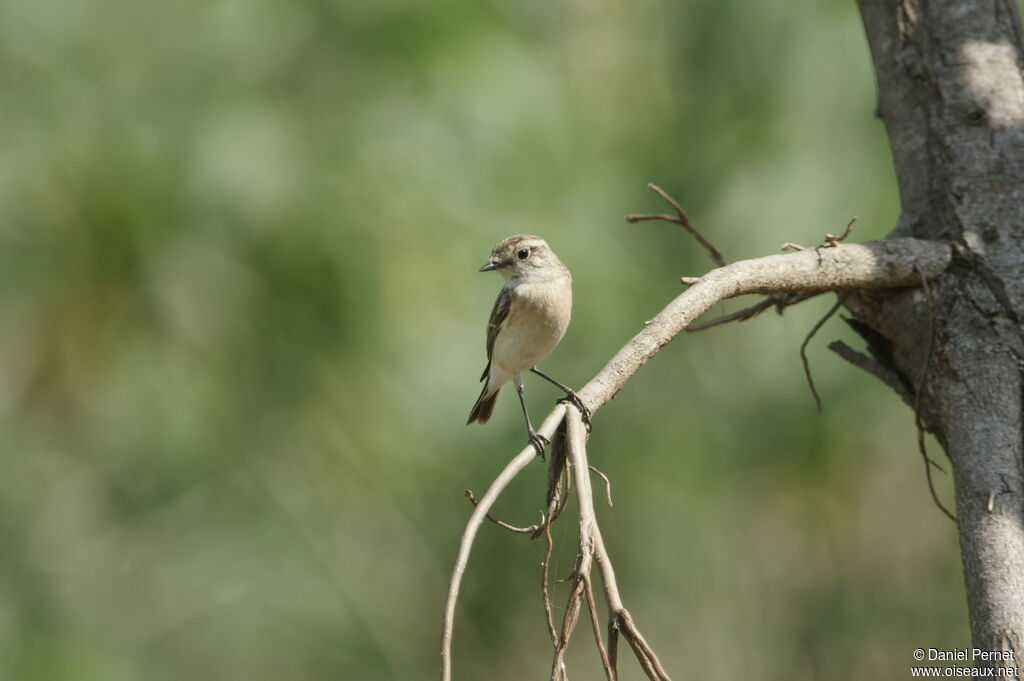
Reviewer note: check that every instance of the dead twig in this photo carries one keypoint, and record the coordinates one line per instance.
(803, 347)
(831, 240)
(680, 218)
(780, 302)
(511, 528)
(545, 594)
(607, 484)
(875, 368)
(609, 671)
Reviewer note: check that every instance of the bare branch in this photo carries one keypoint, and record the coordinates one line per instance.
(545, 595)
(682, 219)
(832, 240)
(511, 470)
(881, 264)
(891, 263)
(609, 671)
(779, 301)
(607, 484)
(803, 348)
(592, 545)
(875, 368)
(511, 528)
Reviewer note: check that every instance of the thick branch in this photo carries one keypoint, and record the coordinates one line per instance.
(891, 263)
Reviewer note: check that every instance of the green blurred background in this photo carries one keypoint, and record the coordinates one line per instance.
(242, 328)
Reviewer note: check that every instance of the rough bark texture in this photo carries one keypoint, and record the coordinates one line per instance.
(951, 95)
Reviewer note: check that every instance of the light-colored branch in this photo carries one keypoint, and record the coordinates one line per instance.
(483, 507)
(892, 263)
(592, 548)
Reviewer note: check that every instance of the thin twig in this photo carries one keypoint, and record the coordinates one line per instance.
(613, 645)
(779, 301)
(803, 347)
(569, 620)
(738, 316)
(682, 219)
(609, 671)
(831, 240)
(545, 594)
(921, 446)
(501, 523)
(607, 484)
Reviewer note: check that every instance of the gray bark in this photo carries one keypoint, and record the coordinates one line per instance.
(951, 95)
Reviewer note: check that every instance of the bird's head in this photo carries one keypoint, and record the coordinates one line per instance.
(524, 256)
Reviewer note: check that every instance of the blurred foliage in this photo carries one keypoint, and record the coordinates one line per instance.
(242, 329)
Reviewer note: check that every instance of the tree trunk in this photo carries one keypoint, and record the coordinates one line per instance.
(951, 95)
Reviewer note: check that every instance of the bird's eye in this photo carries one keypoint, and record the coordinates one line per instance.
(523, 254)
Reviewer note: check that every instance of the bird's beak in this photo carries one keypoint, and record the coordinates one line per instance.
(492, 265)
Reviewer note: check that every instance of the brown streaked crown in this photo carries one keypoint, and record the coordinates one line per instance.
(504, 249)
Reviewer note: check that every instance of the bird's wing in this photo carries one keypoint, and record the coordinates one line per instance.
(498, 315)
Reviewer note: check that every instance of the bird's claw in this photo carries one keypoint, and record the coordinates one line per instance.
(539, 442)
(574, 399)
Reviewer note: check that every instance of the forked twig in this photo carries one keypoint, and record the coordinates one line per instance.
(680, 218)
(831, 240)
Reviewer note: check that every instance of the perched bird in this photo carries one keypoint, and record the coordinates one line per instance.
(528, 320)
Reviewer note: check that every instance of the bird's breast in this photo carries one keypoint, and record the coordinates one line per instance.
(537, 319)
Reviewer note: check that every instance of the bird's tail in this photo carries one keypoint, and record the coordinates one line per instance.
(484, 406)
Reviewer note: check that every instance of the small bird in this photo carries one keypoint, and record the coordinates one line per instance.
(528, 320)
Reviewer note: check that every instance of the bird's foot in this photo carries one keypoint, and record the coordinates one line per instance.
(539, 442)
(576, 401)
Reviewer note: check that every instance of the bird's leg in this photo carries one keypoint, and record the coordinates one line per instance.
(570, 396)
(538, 441)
